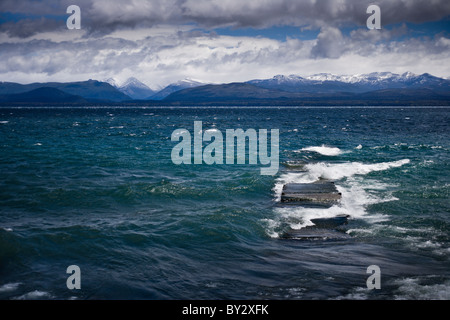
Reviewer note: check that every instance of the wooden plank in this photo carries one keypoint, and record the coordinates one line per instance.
(311, 193)
(315, 234)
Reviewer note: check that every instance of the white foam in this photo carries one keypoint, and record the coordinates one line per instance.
(270, 228)
(213, 130)
(299, 217)
(359, 293)
(9, 287)
(359, 230)
(412, 289)
(332, 171)
(359, 147)
(372, 184)
(357, 194)
(36, 294)
(353, 203)
(323, 150)
(429, 244)
(336, 171)
(4, 122)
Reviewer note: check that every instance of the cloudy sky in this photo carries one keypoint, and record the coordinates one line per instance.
(219, 41)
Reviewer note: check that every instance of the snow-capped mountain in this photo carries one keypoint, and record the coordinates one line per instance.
(327, 82)
(177, 86)
(323, 83)
(135, 89)
(372, 78)
(112, 82)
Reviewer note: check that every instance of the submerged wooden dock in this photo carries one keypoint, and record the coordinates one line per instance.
(322, 193)
(323, 229)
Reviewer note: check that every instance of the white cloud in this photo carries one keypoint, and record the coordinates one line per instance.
(161, 59)
(160, 41)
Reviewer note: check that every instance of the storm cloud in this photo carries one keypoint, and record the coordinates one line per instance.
(161, 41)
(105, 16)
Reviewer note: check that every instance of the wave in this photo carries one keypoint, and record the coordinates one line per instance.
(357, 194)
(332, 171)
(336, 171)
(418, 289)
(323, 150)
(9, 287)
(405, 146)
(34, 295)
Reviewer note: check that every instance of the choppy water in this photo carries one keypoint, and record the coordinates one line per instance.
(96, 188)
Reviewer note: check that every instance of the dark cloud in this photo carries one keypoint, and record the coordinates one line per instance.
(104, 16)
(183, 42)
(330, 44)
(28, 27)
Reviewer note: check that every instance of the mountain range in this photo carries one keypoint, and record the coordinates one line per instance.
(379, 88)
(329, 83)
(133, 88)
(92, 91)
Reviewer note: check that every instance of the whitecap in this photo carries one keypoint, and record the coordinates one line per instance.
(336, 171)
(357, 194)
(359, 293)
(213, 130)
(9, 287)
(4, 122)
(359, 230)
(324, 150)
(271, 225)
(414, 289)
(33, 295)
(428, 244)
(332, 171)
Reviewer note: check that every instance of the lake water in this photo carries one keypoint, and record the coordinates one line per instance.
(96, 188)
